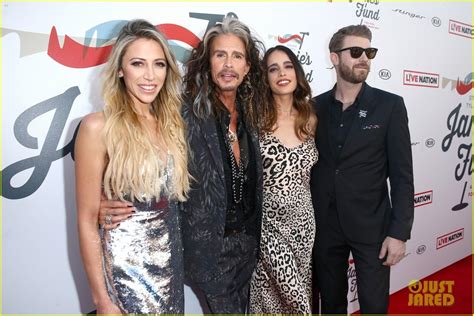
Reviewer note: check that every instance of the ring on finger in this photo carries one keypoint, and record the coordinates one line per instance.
(108, 220)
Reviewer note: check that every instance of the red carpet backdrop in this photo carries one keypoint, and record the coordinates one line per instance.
(52, 57)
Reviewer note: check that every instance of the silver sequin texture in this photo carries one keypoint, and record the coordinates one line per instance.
(143, 260)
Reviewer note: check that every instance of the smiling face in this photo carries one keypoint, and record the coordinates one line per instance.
(281, 73)
(143, 70)
(353, 70)
(228, 62)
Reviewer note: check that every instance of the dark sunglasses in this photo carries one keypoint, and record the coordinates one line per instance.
(356, 52)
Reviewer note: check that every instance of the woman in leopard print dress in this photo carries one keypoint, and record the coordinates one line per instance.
(281, 282)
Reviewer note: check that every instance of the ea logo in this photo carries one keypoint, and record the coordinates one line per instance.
(384, 74)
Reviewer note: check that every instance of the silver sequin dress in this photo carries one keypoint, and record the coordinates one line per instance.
(143, 260)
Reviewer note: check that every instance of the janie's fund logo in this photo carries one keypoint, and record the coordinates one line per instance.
(430, 293)
(295, 42)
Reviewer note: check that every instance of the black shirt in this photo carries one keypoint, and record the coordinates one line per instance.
(238, 212)
(340, 122)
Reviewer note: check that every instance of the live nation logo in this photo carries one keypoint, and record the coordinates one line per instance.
(420, 79)
(461, 29)
(423, 198)
(449, 238)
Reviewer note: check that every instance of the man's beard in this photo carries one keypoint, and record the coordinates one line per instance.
(353, 75)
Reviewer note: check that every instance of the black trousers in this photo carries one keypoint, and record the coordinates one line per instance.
(331, 263)
(228, 292)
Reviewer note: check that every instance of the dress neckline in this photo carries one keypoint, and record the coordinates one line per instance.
(287, 147)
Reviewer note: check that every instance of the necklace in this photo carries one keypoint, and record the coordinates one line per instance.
(236, 170)
(231, 136)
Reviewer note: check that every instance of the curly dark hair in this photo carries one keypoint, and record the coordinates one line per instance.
(203, 92)
(301, 97)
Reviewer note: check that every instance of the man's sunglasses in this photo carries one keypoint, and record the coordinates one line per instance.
(356, 52)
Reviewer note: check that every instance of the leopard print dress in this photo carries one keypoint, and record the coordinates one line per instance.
(281, 282)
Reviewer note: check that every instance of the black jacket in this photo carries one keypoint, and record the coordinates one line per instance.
(377, 147)
(204, 213)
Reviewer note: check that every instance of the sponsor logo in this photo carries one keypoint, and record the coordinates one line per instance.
(423, 198)
(420, 79)
(459, 28)
(461, 87)
(450, 238)
(430, 142)
(415, 143)
(421, 249)
(385, 74)
(435, 21)
(430, 293)
(410, 14)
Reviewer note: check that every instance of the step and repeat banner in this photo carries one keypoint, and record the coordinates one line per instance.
(52, 57)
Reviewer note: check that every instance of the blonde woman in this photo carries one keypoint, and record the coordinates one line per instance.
(134, 151)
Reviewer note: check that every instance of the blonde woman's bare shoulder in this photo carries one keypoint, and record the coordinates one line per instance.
(89, 138)
(93, 122)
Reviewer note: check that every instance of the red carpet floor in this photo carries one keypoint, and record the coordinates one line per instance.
(453, 284)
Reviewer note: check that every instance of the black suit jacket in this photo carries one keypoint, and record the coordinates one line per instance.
(378, 147)
(204, 213)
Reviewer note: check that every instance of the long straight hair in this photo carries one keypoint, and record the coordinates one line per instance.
(133, 165)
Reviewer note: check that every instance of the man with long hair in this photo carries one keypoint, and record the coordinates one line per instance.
(221, 218)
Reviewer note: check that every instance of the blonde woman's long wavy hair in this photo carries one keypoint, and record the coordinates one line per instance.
(134, 167)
